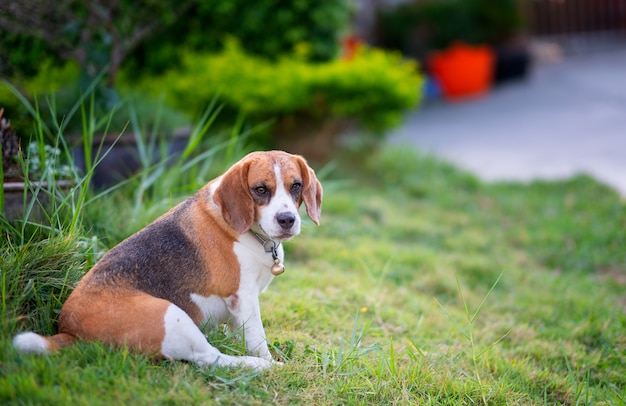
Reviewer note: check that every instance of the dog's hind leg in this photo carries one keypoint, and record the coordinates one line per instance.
(184, 340)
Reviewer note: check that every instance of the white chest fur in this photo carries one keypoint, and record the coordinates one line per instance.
(255, 277)
(255, 263)
(242, 309)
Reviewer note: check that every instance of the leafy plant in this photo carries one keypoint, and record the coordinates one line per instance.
(97, 34)
(51, 80)
(55, 91)
(420, 26)
(375, 88)
(308, 28)
(271, 29)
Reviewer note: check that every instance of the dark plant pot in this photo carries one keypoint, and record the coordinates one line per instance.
(18, 196)
(512, 63)
(120, 156)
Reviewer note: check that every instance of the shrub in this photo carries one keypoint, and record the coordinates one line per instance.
(22, 55)
(54, 91)
(51, 79)
(308, 27)
(417, 27)
(267, 28)
(98, 35)
(375, 87)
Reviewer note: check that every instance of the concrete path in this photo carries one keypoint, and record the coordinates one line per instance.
(566, 118)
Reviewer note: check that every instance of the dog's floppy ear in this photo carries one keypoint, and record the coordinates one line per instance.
(234, 198)
(311, 191)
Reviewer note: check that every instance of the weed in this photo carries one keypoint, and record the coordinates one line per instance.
(469, 332)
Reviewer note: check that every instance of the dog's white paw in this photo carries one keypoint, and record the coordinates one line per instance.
(235, 362)
(255, 363)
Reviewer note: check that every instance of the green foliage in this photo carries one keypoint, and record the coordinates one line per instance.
(420, 26)
(51, 79)
(374, 88)
(497, 20)
(21, 55)
(54, 89)
(310, 29)
(98, 35)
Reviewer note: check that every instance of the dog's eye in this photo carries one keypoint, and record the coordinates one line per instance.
(296, 187)
(260, 190)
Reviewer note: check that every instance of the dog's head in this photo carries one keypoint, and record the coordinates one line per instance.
(263, 192)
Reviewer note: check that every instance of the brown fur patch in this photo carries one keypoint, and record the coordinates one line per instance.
(117, 318)
(215, 247)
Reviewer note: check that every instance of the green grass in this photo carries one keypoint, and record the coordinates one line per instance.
(422, 286)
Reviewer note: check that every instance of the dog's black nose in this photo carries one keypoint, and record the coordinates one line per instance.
(286, 220)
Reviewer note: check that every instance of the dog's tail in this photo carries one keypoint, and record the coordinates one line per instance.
(34, 343)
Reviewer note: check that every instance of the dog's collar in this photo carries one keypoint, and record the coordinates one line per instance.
(271, 246)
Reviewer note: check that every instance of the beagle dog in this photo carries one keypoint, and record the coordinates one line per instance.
(205, 260)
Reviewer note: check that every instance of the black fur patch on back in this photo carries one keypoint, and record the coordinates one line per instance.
(159, 260)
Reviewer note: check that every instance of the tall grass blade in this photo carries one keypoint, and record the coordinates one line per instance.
(206, 121)
(479, 308)
(453, 320)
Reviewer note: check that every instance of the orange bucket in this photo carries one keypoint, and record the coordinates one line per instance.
(463, 70)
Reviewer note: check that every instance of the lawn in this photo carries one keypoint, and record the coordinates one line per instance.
(422, 285)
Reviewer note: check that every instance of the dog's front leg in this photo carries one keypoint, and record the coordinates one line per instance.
(246, 317)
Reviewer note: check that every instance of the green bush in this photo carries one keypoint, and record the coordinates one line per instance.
(310, 28)
(419, 26)
(267, 28)
(51, 82)
(50, 78)
(54, 91)
(375, 87)
(22, 55)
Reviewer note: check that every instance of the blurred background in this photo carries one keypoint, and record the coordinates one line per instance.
(509, 89)
(555, 106)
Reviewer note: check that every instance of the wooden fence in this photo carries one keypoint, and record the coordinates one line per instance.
(578, 24)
